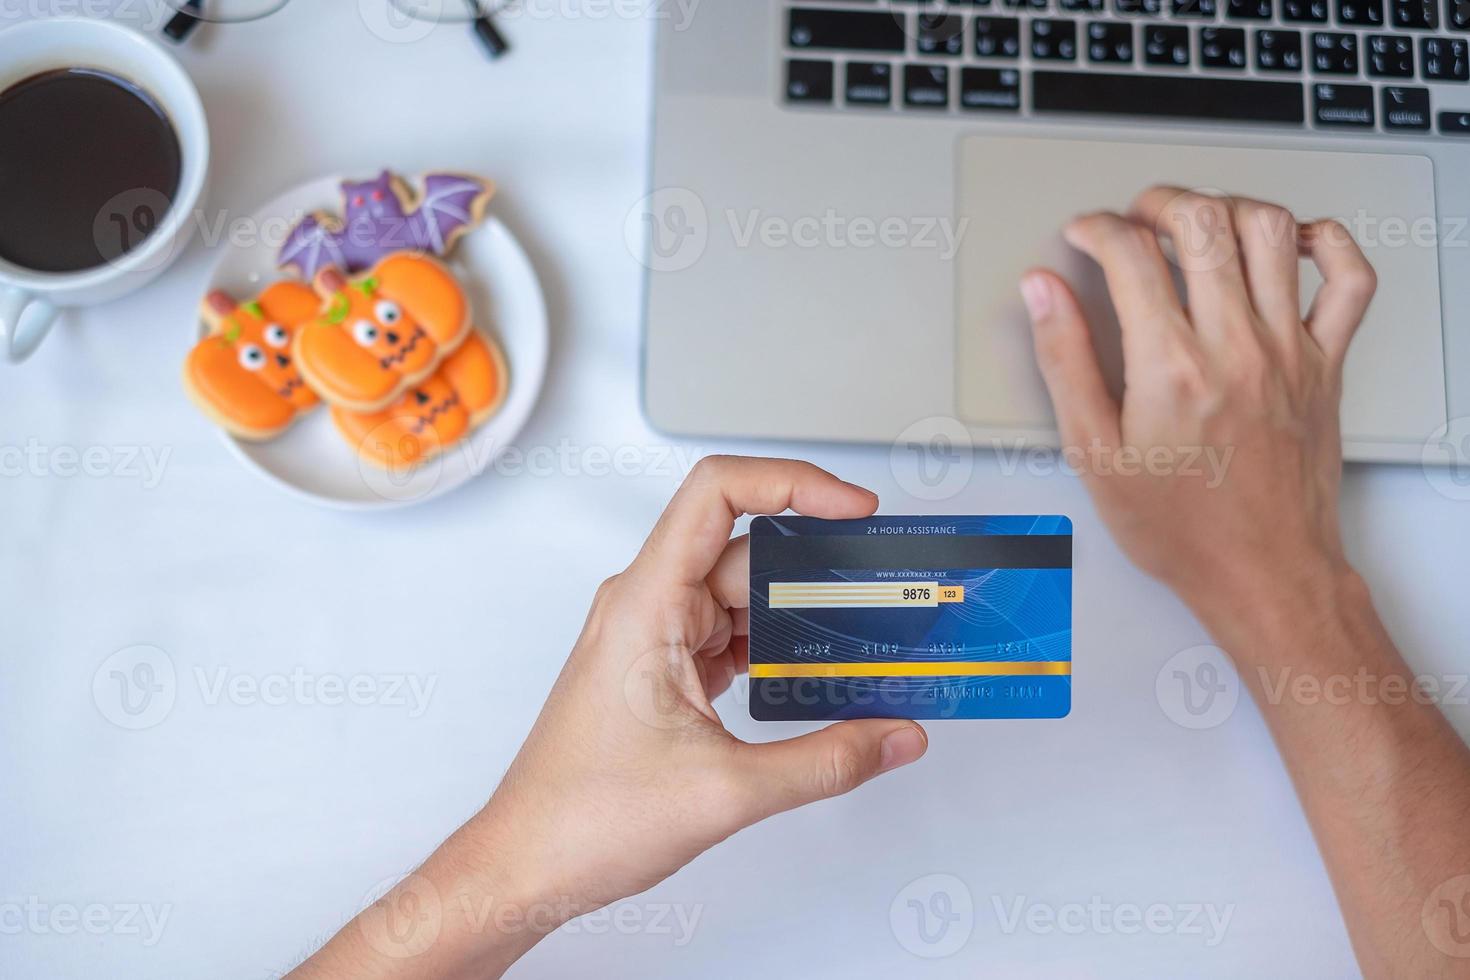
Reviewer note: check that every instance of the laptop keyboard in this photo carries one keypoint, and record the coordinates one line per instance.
(1387, 66)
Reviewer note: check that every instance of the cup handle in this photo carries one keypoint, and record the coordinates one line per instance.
(25, 320)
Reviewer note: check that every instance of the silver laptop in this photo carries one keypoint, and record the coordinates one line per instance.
(845, 192)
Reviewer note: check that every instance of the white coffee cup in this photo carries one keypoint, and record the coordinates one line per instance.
(30, 300)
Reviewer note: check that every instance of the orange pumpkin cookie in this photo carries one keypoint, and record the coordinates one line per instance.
(381, 332)
(432, 416)
(242, 375)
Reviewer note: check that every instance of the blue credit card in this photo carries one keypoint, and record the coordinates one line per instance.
(910, 617)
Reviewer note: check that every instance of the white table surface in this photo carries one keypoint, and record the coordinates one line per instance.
(254, 830)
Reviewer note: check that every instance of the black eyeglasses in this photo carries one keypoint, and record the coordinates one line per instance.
(476, 13)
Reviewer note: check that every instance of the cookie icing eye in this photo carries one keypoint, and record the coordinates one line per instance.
(276, 335)
(252, 358)
(364, 332)
(357, 201)
(377, 195)
(387, 313)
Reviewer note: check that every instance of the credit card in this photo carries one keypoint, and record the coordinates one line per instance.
(910, 617)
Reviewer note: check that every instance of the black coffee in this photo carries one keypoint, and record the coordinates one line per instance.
(88, 166)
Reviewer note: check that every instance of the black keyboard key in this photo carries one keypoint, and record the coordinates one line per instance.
(1343, 105)
(1038, 6)
(1054, 40)
(1444, 59)
(1084, 6)
(1279, 50)
(992, 89)
(1135, 8)
(1109, 42)
(1222, 47)
(1421, 15)
(808, 81)
(859, 30)
(1334, 54)
(1405, 108)
(1390, 56)
(1454, 123)
(1457, 14)
(1176, 96)
(1304, 11)
(997, 37)
(1195, 9)
(1166, 45)
(1248, 9)
(869, 83)
(1360, 13)
(926, 86)
(941, 34)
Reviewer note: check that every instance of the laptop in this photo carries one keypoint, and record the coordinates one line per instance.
(844, 194)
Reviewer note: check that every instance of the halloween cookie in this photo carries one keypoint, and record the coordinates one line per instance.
(433, 415)
(383, 216)
(381, 332)
(243, 375)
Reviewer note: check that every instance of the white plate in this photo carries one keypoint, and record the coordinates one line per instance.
(311, 459)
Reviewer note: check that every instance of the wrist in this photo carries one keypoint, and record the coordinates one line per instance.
(470, 911)
(1296, 612)
(498, 901)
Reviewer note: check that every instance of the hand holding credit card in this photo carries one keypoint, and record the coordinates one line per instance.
(910, 617)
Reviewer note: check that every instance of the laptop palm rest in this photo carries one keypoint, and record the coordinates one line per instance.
(1017, 193)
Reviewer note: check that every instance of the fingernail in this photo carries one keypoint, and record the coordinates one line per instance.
(1036, 292)
(901, 747)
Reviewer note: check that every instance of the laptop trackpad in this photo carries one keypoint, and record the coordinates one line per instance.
(1017, 193)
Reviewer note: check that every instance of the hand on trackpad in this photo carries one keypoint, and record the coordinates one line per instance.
(1030, 188)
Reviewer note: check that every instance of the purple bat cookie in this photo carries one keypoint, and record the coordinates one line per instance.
(383, 216)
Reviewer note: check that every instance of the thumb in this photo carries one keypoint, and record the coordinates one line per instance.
(1068, 362)
(831, 762)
